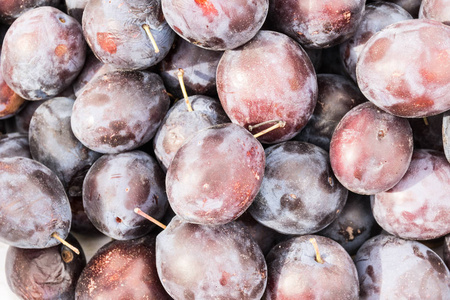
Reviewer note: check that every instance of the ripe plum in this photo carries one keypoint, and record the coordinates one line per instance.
(34, 204)
(376, 16)
(417, 207)
(180, 124)
(42, 53)
(122, 270)
(119, 111)
(299, 193)
(295, 272)
(116, 31)
(209, 262)
(50, 273)
(370, 150)
(215, 24)
(404, 71)
(269, 78)
(53, 144)
(118, 183)
(317, 24)
(215, 175)
(393, 268)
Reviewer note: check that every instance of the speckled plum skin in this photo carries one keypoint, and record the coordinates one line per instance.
(122, 270)
(34, 204)
(119, 111)
(14, 144)
(179, 125)
(216, 24)
(42, 53)
(199, 65)
(417, 207)
(376, 16)
(404, 71)
(269, 78)
(438, 10)
(113, 30)
(12, 9)
(354, 225)
(393, 268)
(209, 262)
(118, 183)
(299, 193)
(294, 272)
(370, 150)
(50, 273)
(53, 144)
(336, 96)
(317, 24)
(215, 176)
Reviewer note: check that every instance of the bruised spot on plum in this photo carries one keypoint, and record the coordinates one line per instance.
(118, 220)
(207, 7)
(224, 279)
(107, 42)
(371, 273)
(291, 203)
(117, 125)
(60, 50)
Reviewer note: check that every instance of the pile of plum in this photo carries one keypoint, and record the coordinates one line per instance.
(291, 149)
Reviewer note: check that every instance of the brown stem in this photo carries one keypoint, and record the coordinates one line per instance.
(153, 220)
(183, 89)
(316, 248)
(150, 36)
(279, 124)
(425, 120)
(65, 243)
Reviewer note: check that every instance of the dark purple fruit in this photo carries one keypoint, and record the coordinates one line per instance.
(122, 270)
(47, 274)
(209, 262)
(215, 176)
(14, 144)
(42, 53)
(34, 205)
(10, 10)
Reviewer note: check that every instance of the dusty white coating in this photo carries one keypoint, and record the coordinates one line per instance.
(392, 268)
(298, 194)
(209, 262)
(376, 16)
(417, 207)
(214, 24)
(405, 68)
(53, 143)
(42, 55)
(294, 272)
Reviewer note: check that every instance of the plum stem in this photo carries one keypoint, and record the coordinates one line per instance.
(65, 243)
(425, 120)
(316, 248)
(150, 36)
(153, 220)
(183, 89)
(280, 124)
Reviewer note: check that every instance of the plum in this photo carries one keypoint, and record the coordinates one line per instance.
(393, 268)
(215, 24)
(14, 144)
(42, 53)
(370, 149)
(209, 262)
(438, 10)
(10, 10)
(416, 207)
(215, 175)
(271, 78)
